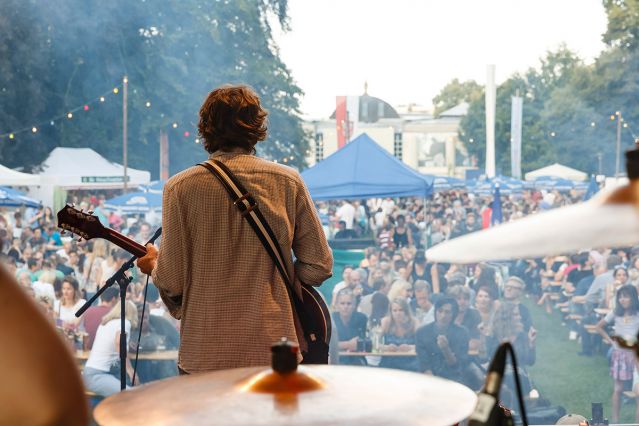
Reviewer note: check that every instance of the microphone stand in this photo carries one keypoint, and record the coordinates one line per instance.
(123, 281)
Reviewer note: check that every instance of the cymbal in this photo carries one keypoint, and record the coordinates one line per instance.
(314, 395)
(41, 382)
(610, 219)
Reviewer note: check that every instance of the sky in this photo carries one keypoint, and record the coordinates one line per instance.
(408, 50)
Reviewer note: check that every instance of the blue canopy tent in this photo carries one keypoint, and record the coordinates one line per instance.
(486, 186)
(554, 183)
(446, 183)
(135, 202)
(363, 169)
(13, 198)
(156, 186)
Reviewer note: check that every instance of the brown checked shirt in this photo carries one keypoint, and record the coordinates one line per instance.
(234, 301)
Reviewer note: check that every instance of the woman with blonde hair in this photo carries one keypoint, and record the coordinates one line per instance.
(101, 372)
(399, 288)
(399, 328)
(93, 267)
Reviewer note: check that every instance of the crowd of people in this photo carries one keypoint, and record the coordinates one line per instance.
(444, 319)
(62, 274)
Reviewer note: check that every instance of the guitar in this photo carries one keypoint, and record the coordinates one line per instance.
(88, 226)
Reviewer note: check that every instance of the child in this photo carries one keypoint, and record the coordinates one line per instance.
(625, 320)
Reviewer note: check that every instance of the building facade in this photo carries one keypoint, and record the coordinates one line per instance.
(429, 145)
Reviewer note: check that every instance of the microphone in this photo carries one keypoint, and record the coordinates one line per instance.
(488, 412)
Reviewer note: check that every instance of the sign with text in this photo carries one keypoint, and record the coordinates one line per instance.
(104, 179)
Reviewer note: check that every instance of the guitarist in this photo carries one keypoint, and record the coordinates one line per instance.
(211, 269)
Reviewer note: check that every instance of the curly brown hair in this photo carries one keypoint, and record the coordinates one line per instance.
(232, 117)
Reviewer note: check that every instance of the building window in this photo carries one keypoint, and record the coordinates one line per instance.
(398, 146)
(319, 147)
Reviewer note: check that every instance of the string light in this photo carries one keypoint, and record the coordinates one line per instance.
(592, 124)
(552, 134)
(86, 107)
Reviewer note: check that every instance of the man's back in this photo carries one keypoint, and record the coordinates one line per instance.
(235, 302)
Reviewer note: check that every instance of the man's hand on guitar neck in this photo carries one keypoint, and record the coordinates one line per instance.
(147, 263)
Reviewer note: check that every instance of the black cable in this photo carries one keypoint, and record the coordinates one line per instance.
(137, 349)
(520, 397)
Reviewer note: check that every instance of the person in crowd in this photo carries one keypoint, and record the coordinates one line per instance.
(351, 326)
(188, 271)
(485, 303)
(508, 327)
(345, 283)
(346, 213)
(422, 307)
(44, 285)
(69, 303)
(343, 232)
(624, 319)
(513, 291)
(401, 234)
(442, 346)
(157, 334)
(385, 236)
(101, 372)
(619, 278)
(399, 288)
(92, 317)
(93, 277)
(467, 316)
(398, 328)
(365, 305)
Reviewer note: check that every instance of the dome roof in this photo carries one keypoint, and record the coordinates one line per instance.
(372, 109)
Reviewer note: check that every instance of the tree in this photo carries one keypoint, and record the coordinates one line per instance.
(455, 93)
(60, 55)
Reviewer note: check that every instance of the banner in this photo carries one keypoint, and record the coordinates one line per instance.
(491, 99)
(341, 121)
(352, 117)
(516, 113)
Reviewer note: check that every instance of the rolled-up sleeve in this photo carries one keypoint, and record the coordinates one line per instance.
(170, 275)
(314, 259)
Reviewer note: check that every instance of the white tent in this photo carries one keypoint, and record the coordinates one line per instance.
(83, 168)
(557, 170)
(10, 177)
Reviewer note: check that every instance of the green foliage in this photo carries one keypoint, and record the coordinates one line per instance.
(455, 93)
(58, 55)
(566, 115)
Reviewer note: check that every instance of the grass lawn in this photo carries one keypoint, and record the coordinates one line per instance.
(564, 377)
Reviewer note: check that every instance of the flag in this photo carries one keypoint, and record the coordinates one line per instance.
(593, 188)
(341, 121)
(497, 216)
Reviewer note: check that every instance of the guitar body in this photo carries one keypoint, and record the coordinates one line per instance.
(317, 312)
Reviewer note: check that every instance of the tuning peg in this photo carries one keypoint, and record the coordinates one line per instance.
(90, 211)
(63, 232)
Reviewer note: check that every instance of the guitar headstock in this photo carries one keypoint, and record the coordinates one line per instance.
(81, 223)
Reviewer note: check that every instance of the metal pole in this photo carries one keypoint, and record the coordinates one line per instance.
(618, 152)
(125, 85)
(599, 158)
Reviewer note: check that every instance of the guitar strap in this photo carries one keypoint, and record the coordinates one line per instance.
(248, 207)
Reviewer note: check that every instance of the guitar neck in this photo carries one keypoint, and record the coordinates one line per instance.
(125, 242)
